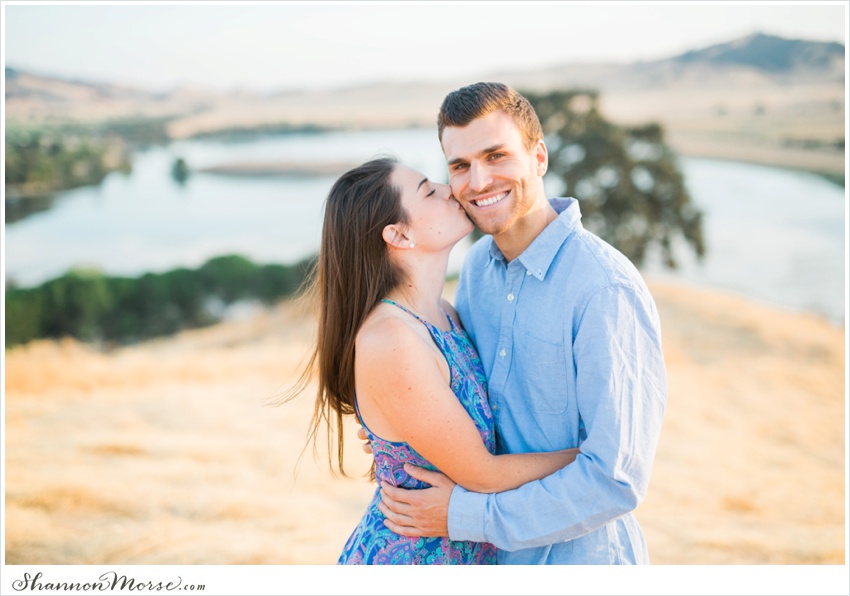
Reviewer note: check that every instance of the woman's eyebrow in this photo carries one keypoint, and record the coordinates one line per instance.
(424, 180)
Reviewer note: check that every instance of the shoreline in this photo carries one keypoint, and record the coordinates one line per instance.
(827, 164)
(279, 168)
(291, 168)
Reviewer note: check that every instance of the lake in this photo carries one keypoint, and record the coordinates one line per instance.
(771, 234)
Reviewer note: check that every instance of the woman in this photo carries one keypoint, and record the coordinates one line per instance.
(391, 351)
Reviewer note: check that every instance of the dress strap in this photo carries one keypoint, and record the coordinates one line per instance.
(407, 310)
(357, 410)
(452, 325)
(453, 328)
(360, 416)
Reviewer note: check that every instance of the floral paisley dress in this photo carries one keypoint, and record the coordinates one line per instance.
(372, 543)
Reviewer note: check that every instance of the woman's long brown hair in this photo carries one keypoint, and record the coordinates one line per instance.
(353, 274)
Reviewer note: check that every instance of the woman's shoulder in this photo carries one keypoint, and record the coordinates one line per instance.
(384, 332)
(396, 350)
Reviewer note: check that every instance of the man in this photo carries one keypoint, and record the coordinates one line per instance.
(569, 337)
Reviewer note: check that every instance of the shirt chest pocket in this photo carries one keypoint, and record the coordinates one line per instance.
(540, 369)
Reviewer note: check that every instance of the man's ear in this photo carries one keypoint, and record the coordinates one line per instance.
(393, 235)
(541, 155)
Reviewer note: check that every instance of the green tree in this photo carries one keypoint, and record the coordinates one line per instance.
(180, 171)
(229, 277)
(626, 178)
(73, 304)
(24, 315)
(40, 162)
(90, 306)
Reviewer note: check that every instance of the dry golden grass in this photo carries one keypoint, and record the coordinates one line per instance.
(750, 467)
(167, 452)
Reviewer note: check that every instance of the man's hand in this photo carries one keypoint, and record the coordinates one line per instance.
(367, 446)
(422, 512)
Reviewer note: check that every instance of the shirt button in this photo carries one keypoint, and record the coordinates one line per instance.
(528, 272)
(510, 297)
(503, 353)
(495, 407)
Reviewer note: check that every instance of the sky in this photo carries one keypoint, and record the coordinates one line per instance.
(266, 46)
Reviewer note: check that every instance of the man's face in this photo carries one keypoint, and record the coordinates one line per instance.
(492, 174)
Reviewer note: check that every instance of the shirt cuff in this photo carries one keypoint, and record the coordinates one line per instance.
(466, 515)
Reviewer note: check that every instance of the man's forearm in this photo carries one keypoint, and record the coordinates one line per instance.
(566, 505)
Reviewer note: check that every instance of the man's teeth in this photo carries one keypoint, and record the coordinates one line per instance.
(491, 200)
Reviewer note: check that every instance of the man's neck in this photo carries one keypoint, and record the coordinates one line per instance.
(512, 242)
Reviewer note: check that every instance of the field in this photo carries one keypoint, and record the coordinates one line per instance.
(167, 452)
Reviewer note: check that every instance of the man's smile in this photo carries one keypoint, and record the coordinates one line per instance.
(491, 200)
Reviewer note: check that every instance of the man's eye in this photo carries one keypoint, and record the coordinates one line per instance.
(496, 155)
(458, 167)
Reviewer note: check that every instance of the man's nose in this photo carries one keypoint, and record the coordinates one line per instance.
(479, 177)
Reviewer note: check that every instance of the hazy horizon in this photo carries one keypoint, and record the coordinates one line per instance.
(293, 46)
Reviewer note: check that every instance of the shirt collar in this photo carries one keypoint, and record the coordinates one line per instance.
(541, 252)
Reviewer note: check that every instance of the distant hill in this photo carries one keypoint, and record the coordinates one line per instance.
(770, 53)
(38, 98)
(756, 60)
(25, 85)
(757, 95)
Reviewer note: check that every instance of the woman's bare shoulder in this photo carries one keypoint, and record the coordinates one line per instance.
(383, 332)
(392, 354)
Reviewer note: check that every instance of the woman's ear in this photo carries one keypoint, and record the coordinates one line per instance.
(394, 236)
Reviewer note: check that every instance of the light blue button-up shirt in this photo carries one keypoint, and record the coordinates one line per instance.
(570, 339)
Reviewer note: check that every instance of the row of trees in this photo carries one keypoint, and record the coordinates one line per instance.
(39, 163)
(46, 158)
(117, 310)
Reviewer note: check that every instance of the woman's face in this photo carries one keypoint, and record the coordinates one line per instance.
(435, 219)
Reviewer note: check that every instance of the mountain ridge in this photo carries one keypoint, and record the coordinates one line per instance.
(768, 55)
(759, 98)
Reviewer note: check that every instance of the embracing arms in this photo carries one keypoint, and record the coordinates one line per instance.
(621, 394)
(403, 386)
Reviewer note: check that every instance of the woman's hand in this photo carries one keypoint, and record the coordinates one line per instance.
(367, 446)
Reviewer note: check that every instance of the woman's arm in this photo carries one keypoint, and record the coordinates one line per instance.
(400, 374)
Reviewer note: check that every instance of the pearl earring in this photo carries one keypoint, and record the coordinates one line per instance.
(412, 245)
